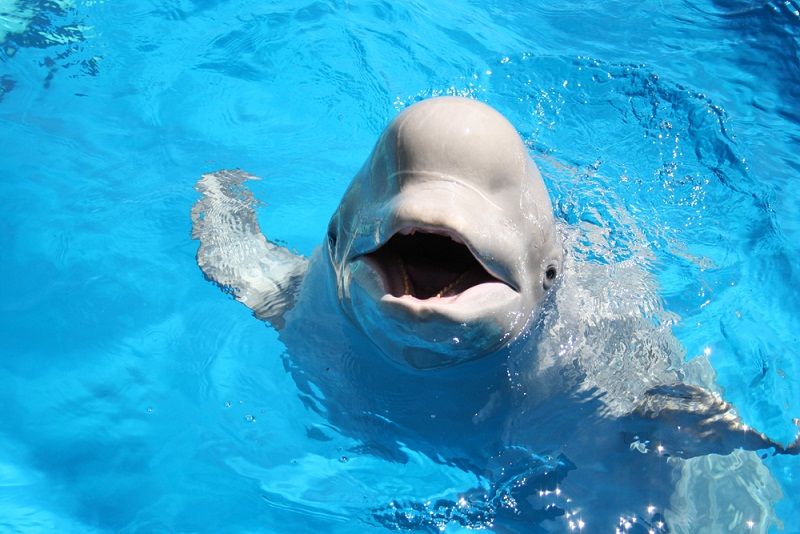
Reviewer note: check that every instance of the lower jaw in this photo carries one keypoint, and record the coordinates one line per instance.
(431, 341)
(474, 304)
(436, 332)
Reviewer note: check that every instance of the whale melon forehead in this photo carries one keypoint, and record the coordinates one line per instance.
(459, 138)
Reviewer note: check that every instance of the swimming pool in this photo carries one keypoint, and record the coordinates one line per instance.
(136, 397)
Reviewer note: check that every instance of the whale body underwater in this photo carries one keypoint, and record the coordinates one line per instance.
(445, 254)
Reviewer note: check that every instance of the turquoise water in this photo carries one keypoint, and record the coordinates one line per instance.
(137, 397)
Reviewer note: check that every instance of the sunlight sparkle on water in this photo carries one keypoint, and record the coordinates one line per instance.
(577, 525)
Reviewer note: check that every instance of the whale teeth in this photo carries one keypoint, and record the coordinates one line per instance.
(442, 292)
(406, 281)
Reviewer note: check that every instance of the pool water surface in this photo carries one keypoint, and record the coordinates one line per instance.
(137, 397)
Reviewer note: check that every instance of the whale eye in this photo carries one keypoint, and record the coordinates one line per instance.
(550, 276)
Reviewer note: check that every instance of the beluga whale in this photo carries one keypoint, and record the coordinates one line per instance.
(444, 301)
(444, 245)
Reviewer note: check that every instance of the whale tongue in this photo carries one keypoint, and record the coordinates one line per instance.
(427, 265)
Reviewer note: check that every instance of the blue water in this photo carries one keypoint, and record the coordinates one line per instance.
(136, 397)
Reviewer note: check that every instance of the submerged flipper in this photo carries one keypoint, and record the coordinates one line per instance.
(687, 421)
(234, 253)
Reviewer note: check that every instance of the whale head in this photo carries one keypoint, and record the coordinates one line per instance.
(444, 245)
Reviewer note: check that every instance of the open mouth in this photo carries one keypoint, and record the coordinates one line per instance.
(427, 265)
